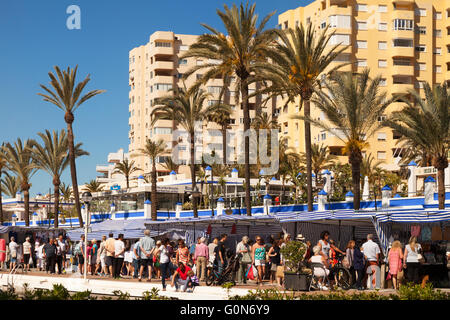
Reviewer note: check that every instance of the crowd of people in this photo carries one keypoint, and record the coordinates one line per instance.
(185, 267)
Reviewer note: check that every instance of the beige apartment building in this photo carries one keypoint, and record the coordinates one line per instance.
(154, 69)
(406, 41)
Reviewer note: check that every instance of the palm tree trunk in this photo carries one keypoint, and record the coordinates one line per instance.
(224, 143)
(441, 187)
(153, 195)
(244, 92)
(26, 200)
(194, 200)
(73, 168)
(128, 181)
(307, 112)
(56, 187)
(356, 171)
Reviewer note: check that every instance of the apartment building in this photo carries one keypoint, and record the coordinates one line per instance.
(406, 41)
(154, 69)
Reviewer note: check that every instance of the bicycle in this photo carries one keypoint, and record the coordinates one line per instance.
(342, 276)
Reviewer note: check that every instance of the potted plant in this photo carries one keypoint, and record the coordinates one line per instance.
(295, 276)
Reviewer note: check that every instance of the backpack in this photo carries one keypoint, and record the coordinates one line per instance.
(77, 250)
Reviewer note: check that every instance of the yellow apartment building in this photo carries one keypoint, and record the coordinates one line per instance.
(154, 69)
(406, 41)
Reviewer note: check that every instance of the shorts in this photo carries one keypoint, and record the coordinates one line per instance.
(13, 260)
(80, 259)
(273, 267)
(102, 261)
(26, 258)
(260, 263)
(109, 261)
(146, 262)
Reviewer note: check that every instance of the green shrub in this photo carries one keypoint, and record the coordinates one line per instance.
(121, 295)
(154, 295)
(293, 253)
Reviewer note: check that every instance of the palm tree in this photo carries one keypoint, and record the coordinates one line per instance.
(239, 54)
(189, 108)
(170, 165)
(66, 95)
(10, 184)
(320, 158)
(20, 162)
(3, 167)
(126, 168)
(52, 157)
(65, 191)
(93, 186)
(301, 56)
(289, 160)
(222, 117)
(154, 149)
(264, 121)
(352, 105)
(426, 124)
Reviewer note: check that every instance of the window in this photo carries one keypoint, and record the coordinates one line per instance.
(438, 51)
(421, 66)
(214, 89)
(407, 43)
(438, 16)
(163, 44)
(182, 61)
(382, 26)
(361, 7)
(163, 86)
(419, 84)
(212, 102)
(438, 69)
(382, 63)
(342, 57)
(323, 25)
(438, 33)
(184, 47)
(421, 48)
(362, 25)
(420, 12)
(162, 130)
(381, 155)
(383, 83)
(381, 118)
(199, 62)
(382, 8)
(323, 136)
(382, 45)
(340, 21)
(402, 62)
(362, 63)
(402, 24)
(421, 30)
(382, 136)
(285, 24)
(343, 39)
(361, 44)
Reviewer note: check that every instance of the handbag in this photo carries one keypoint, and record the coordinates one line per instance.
(280, 272)
(246, 258)
(420, 258)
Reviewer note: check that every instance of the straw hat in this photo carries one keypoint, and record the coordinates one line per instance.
(300, 237)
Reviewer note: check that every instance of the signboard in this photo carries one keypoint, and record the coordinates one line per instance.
(116, 187)
(170, 189)
(423, 171)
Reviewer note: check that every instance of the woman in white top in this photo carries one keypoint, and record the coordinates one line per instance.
(128, 258)
(325, 245)
(164, 261)
(411, 260)
(320, 272)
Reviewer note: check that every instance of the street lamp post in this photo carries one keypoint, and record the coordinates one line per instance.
(86, 197)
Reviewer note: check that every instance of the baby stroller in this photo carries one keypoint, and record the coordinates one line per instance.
(227, 274)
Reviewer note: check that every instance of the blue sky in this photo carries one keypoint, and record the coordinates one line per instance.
(34, 38)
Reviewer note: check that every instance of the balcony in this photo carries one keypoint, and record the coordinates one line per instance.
(402, 52)
(162, 50)
(402, 14)
(163, 79)
(403, 2)
(163, 65)
(102, 169)
(339, 10)
(102, 180)
(402, 70)
(402, 34)
(401, 88)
